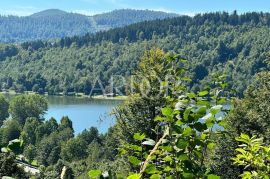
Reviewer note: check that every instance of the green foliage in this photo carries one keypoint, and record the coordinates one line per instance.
(66, 123)
(28, 134)
(8, 164)
(74, 150)
(184, 125)
(138, 113)
(250, 116)
(30, 153)
(9, 131)
(25, 106)
(214, 42)
(9, 167)
(254, 156)
(4, 105)
(53, 23)
(13, 146)
(94, 173)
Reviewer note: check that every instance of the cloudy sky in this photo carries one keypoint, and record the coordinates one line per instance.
(90, 7)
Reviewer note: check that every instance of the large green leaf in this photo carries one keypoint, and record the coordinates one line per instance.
(186, 113)
(134, 176)
(182, 157)
(212, 176)
(203, 93)
(210, 122)
(188, 175)
(139, 137)
(151, 169)
(181, 143)
(94, 173)
(201, 111)
(134, 160)
(167, 111)
(187, 131)
(211, 145)
(164, 119)
(155, 176)
(215, 109)
(136, 148)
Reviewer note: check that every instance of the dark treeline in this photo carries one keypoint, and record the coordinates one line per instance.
(146, 30)
(214, 42)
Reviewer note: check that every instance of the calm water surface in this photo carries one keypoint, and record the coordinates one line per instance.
(84, 113)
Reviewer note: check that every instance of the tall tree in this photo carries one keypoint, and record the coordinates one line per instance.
(4, 105)
(25, 106)
(137, 114)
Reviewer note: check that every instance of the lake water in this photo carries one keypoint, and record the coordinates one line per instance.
(83, 112)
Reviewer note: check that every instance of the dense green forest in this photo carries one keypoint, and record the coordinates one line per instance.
(163, 132)
(55, 23)
(212, 42)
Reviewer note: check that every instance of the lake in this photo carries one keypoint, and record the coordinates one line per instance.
(83, 112)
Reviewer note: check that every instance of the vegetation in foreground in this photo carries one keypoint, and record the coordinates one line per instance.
(169, 131)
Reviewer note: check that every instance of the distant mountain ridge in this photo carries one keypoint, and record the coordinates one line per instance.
(49, 12)
(55, 23)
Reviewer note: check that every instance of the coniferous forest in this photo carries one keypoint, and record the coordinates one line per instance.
(198, 91)
(54, 23)
(216, 42)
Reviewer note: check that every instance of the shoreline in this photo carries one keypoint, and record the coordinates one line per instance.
(75, 95)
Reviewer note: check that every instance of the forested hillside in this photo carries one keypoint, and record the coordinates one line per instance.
(168, 132)
(214, 42)
(55, 23)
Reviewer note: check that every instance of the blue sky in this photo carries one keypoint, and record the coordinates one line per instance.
(89, 7)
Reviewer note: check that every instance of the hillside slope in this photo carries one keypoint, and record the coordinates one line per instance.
(217, 42)
(54, 23)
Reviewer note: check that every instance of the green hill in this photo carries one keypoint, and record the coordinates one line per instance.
(53, 23)
(213, 42)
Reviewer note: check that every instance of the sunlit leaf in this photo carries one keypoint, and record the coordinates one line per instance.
(215, 109)
(134, 160)
(203, 93)
(134, 176)
(212, 176)
(191, 95)
(211, 146)
(167, 159)
(94, 173)
(182, 157)
(151, 169)
(188, 175)
(187, 131)
(182, 144)
(167, 111)
(155, 176)
(139, 137)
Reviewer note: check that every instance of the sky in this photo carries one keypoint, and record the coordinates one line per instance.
(91, 7)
